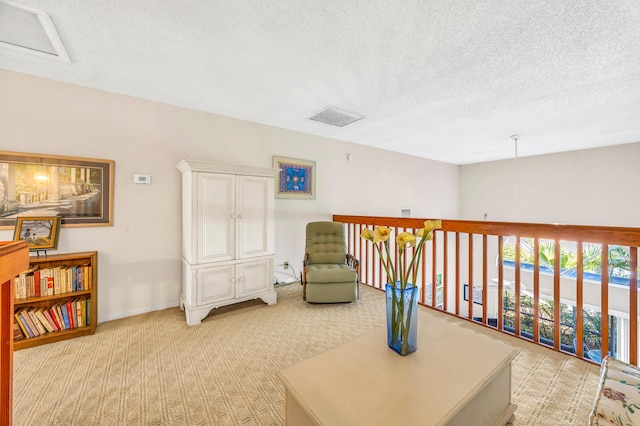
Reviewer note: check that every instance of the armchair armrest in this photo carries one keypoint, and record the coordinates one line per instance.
(354, 263)
(303, 276)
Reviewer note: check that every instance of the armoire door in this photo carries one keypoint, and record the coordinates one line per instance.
(215, 284)
(254, 277)
(216, 217)
(254, 213)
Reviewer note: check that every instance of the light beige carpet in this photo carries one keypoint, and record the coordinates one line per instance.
(153, 369)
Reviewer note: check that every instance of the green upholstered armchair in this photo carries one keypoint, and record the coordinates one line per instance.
(330, 274)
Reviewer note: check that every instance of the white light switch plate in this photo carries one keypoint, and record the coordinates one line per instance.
(145, 179)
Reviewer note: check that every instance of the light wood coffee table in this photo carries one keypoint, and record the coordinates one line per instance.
(456, 377)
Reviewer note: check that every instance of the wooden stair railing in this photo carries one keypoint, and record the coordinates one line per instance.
(476, 243)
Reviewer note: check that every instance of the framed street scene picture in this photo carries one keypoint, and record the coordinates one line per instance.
(297, 178)
(80, 190)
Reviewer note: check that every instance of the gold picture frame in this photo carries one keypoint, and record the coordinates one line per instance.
(80, 190)
(40, 232)
(297, 178)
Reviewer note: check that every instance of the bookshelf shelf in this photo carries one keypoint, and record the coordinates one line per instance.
(88, 295)
(37, 300)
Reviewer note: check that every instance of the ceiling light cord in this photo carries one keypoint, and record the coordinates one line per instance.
(515, 177)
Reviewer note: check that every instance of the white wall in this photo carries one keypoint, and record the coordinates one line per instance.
(139, 256)
(598, 187)
(590, 187)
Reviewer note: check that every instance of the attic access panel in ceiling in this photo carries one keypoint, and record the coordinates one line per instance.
(29, 31)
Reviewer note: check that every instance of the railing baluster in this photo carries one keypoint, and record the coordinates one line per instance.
(633, 305)
(433, 269)
(578, 334)
(470, 292)
(536, 290)
(445, 269)
(500, 282)
(484, 278)
(516, 287)
(457, 265)
(557, 323)
(604, 302)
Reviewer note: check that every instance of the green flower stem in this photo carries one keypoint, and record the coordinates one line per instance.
(416, 255)
(384, 263)
(407, 325)
(389, 262)
(403, 281)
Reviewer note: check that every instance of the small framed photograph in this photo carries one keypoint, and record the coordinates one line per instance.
(297, 178)
(40, 232)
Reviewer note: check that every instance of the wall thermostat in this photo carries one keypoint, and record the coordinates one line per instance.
(146, 179)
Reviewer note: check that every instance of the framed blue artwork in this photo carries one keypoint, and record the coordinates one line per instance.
(297, 178)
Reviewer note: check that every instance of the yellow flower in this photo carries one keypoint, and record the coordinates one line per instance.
(430, 225)
(366, 234)
(381, 233)
(405, 272)
(427, 231)
(405, 238)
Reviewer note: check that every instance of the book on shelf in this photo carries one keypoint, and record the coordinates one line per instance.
(26, 320)
(23, 283)
(29, 285)
(54, 317)
(83, 313)
(64, 313)
(36, 321)
(44, 321)
(55, 314)
(18, 333)
(23, 324)
(71, 311)
(56, 280)
(49, 319)
(50, 285)
(77, 306)
(36, 284)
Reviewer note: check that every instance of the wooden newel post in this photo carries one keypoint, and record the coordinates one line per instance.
(14, 258)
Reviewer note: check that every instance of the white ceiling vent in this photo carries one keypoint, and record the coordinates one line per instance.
(336, 116)
(30, 31)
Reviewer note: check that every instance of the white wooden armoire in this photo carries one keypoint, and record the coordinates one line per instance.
(227, 236)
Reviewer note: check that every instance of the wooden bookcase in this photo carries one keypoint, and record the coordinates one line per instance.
(65, 261)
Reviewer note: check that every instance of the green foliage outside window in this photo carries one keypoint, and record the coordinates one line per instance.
(619, 260)
(591, 320)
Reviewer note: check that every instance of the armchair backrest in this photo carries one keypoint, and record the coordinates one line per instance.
(325, 243)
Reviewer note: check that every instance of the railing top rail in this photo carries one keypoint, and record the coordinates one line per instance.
(583, 233)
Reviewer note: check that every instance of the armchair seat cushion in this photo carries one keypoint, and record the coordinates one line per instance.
(331, 273)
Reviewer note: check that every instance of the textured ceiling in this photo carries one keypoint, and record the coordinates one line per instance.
(449, 80)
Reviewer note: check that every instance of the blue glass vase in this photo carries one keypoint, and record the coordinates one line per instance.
(402, 318)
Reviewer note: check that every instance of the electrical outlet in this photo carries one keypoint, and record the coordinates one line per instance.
(286, 265)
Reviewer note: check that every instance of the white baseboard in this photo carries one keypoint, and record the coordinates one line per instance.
(133, 312)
